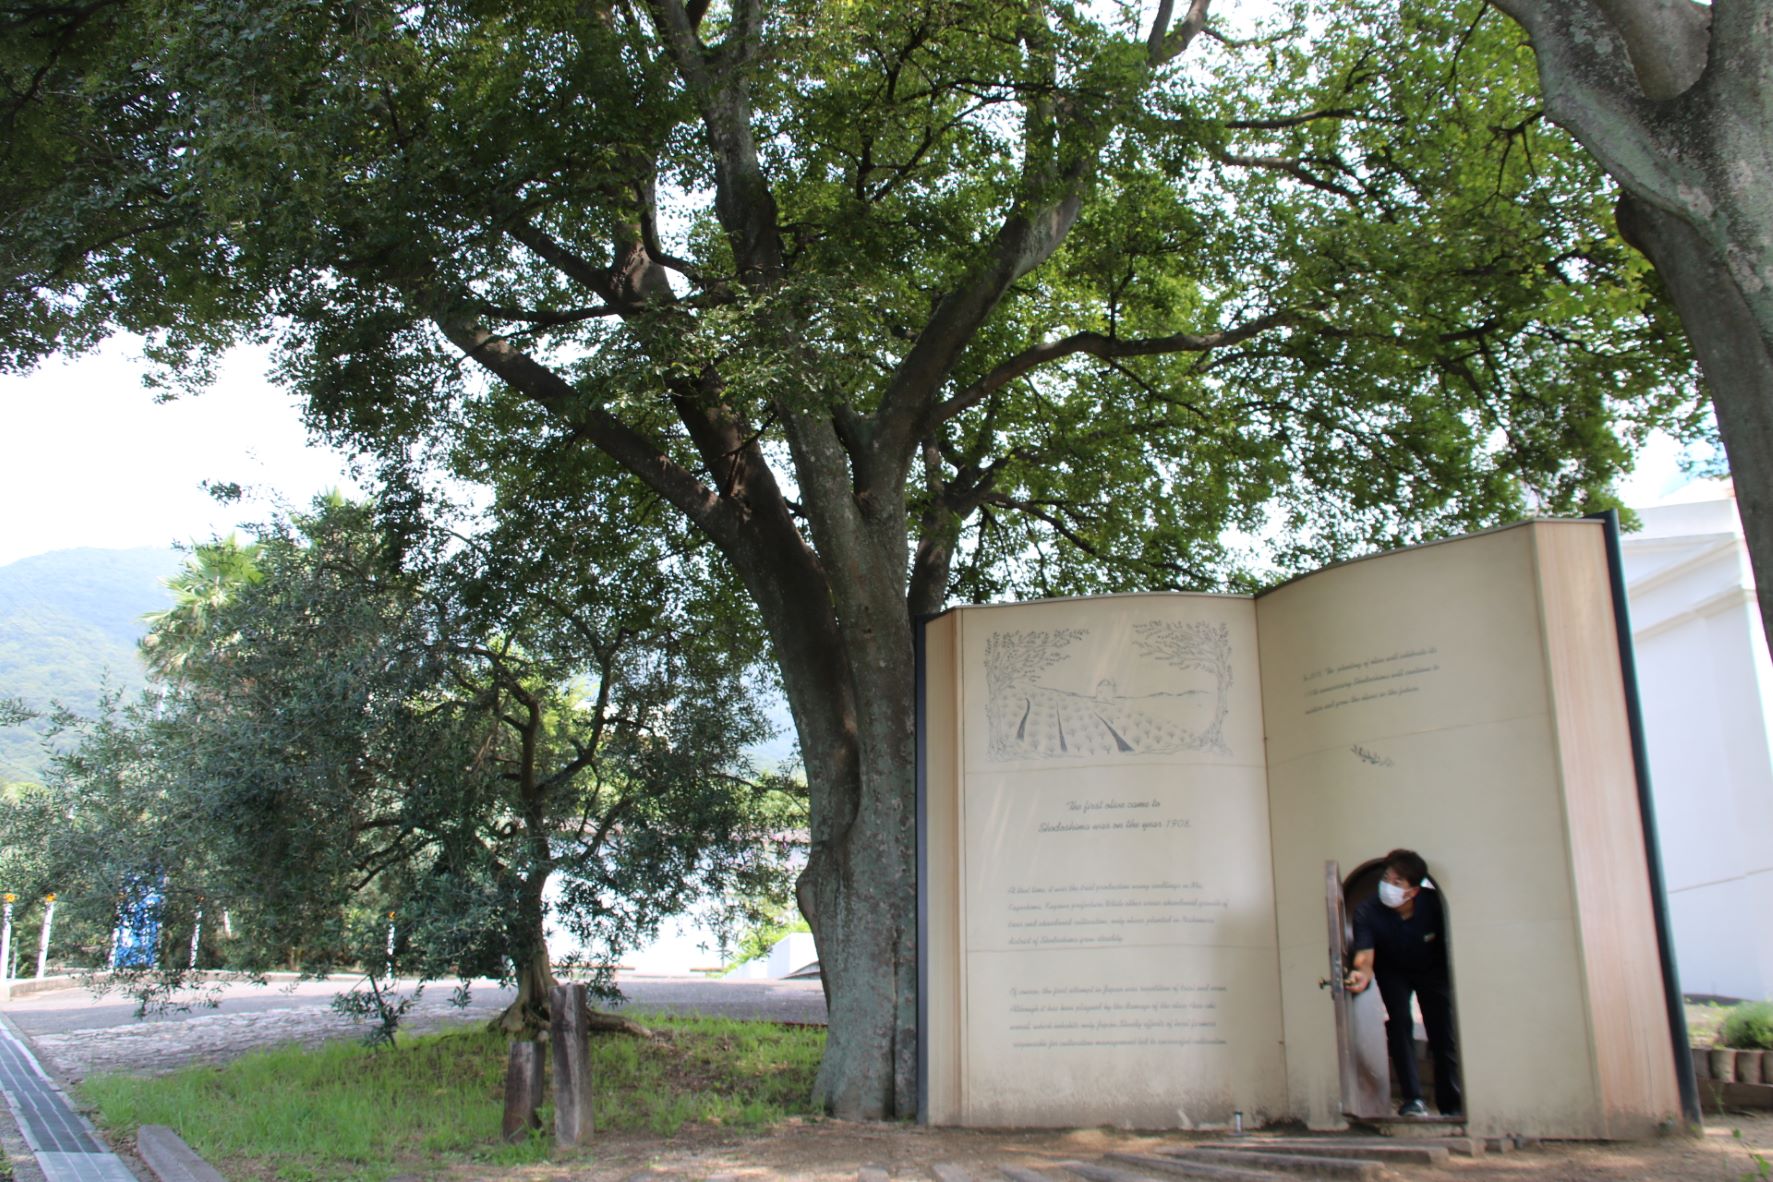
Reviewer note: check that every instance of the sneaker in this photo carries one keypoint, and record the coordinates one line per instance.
(1413, 1108)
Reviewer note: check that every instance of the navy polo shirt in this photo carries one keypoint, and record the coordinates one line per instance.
(1416, 946)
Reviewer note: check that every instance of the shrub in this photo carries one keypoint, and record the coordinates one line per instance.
(1748, 1025)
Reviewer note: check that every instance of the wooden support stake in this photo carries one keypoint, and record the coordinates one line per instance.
(523, 1090)
(569, 1032)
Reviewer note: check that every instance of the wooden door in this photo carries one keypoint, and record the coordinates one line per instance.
(1360, 1017)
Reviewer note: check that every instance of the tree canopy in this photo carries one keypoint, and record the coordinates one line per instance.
(893, 304)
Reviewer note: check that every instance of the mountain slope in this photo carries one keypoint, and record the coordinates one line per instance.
(69, 622)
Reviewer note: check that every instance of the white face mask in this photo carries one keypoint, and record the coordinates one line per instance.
(1391, 894)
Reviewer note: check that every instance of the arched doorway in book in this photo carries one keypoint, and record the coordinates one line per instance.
(1370, 1091)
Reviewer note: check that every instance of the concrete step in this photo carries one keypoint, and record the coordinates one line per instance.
(1101, 1171)
(1170, 1168)
(1136, 1167)
(1052, 1173)
(1379, 1149)
(1031, 1174)
(1414, 1127)
(947, 1171)
(170, 1158)
(1457, 1146)
(1338, 1169)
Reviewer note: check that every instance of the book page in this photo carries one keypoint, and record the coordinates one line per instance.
(1408, 705)
(1117, 893)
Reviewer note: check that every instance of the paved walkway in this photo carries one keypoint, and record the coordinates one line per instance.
(65, 1145)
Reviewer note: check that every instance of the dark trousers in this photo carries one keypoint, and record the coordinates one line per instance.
(1435, 995)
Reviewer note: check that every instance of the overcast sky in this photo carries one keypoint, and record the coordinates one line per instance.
(88, 458)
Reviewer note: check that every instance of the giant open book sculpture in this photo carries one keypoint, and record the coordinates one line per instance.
(1128, 802)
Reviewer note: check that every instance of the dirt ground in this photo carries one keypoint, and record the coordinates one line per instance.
(826, 1151)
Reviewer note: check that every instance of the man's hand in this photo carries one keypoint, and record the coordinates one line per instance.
(1361, 975)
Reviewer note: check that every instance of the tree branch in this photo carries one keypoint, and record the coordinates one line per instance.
(1166, 44)
(1027, 239)
(1592, 89)
(1048, 206)
(544, 317)
(1284, 122)
(609, 434)
(1293, 166)
(742, 196)
(600, 280)
(1097, 345)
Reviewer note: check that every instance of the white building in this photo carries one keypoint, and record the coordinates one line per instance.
(1706, 683)
(794, 955)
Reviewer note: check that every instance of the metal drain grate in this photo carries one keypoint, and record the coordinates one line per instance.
(63, 1142)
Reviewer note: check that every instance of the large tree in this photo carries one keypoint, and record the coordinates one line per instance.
(1675, 99)
(892, 303)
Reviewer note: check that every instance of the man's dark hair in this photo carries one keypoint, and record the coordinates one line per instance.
(1408, 864)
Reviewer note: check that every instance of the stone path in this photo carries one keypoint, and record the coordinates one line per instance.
(154, 1048)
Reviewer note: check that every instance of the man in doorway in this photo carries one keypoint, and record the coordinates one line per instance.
(1400, 939)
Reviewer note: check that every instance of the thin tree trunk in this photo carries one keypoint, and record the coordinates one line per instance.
(1736, 354)
(527, 1015)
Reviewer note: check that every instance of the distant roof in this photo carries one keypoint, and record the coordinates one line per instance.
(1695, 491)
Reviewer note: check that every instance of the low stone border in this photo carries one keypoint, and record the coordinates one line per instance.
(1743, 1065)
(27, 986)
(170, 1158)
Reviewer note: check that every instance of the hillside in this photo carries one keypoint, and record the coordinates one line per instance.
(69, 622)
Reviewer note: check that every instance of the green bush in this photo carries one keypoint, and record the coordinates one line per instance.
(1748, 1025)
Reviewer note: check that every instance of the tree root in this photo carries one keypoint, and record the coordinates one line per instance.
(515, 1022)
(600, 1022)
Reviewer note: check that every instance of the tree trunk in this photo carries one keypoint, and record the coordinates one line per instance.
(527, 1015)
(1674, 100)
(842, 637)
(1736, 354)
(859, 894)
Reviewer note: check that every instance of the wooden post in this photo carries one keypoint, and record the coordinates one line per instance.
(523, 1090)
(571, 1037)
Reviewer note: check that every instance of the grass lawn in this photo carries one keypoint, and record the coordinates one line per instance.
(346, 1111)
